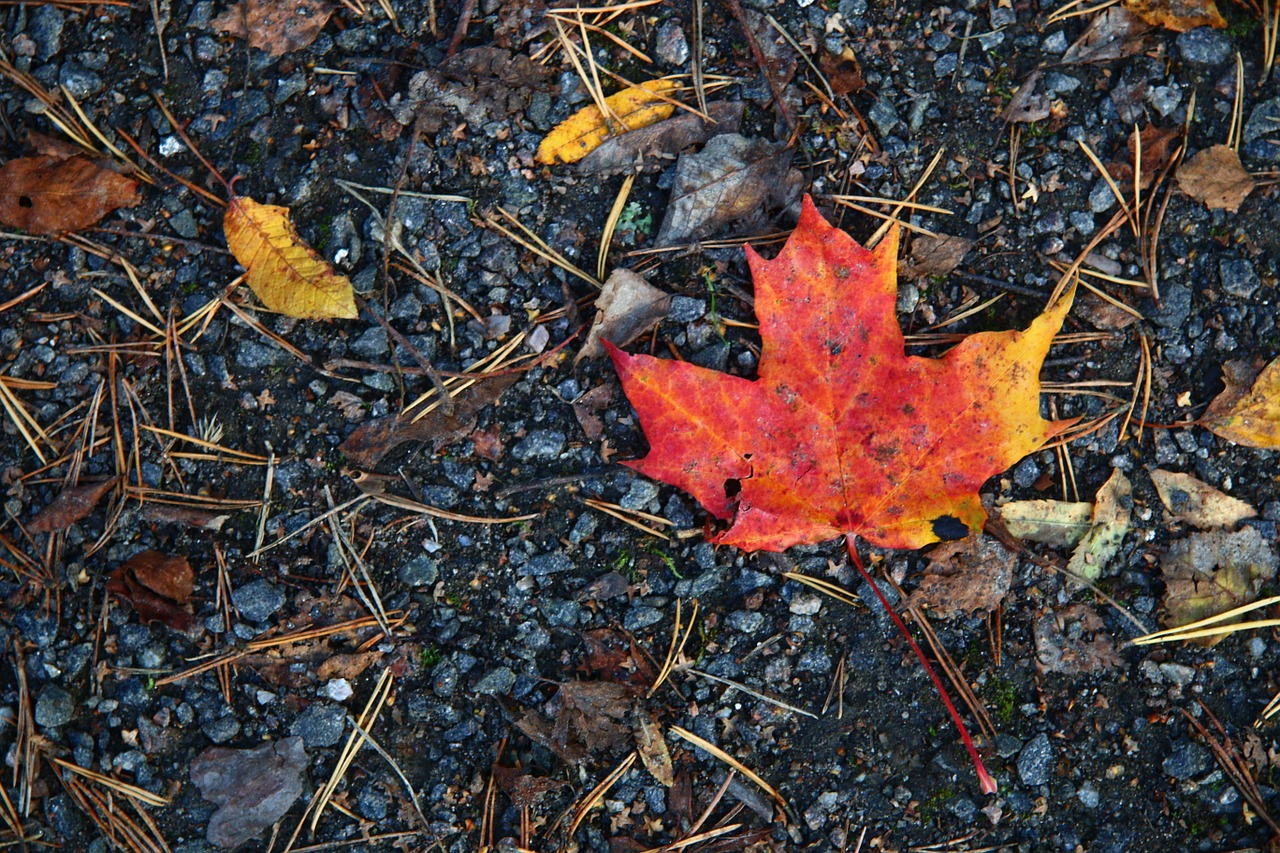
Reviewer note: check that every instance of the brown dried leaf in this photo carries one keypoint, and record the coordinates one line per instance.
(1158, 147)
(349, 667)
(525, 790)
(200, 519)
(1198, 503)
(653, 749)
(584, 719)
(276, 26)
(158, 587)
(843, 72)
(71, 505)
(481, 83)
(1026, 105)
(1177, 15)
(731, 179)
(612, 656)
(587, 409)
(651, 148)
(1112, 34)
(936, 255)
(1070, 641)
(1101, 314)
(50, 195)
(964, 576)
(370, 442)
(1215, 177)
(627, 307)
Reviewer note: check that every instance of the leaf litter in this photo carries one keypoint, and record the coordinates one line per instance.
(1209, 573)
(158, 586)
(1197, 503)
(1110, 523)
(1248, 410)
(967, 576)
(1215, 178)
(53, 194)
(275, 26)
(627, 307)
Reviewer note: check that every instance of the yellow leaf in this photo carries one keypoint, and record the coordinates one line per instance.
(1177, 15)
(286, 274)
(1250, 417)
(579, 134)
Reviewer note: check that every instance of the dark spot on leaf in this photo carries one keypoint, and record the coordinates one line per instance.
(834, 348)
(732, 488)
(842, 272)
(25, 201)
(908, 409)
(948, 527)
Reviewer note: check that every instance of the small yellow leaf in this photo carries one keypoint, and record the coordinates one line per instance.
(286, 274)
(1177, 15)
(579, 134)
(1248, 411)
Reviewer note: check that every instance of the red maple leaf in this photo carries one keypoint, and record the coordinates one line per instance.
(842, 433)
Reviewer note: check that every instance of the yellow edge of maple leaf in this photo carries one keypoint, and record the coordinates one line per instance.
(281, 269)
(584, 131)
(1254, 420)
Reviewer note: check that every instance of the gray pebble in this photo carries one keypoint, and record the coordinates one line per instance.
(1174, 307)
(495, 682)
(1088, 795)
(444, 680)
(1263, 121)
(1035, 760)
(552, 562)
(561, 613)
(884, 115)
(1164, 99)
(1057, 83)
(222, 729)
(321, 725)
(1055, 43)
(1187, 760)
(79, 81)
(672, 46)
(539, 444)
(686, 309)
(1238, 277)
(254, 355)
(371, 344)
(418, 572)
(45, 29)
(257, 600)
(640, 495)
(1204, 46)
(745, 621)
(1026, 473)
(1101, 198)
(372, 802)
(641, 617)
(54, 707)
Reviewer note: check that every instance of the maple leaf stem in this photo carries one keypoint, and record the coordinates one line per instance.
(984, 778)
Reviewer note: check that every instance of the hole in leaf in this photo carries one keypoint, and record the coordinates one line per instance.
(732, 488)
(948, 528)
(25, 201)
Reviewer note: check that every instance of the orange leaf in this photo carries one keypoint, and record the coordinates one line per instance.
(842, 432)
(49, 195)
(579, 134)
(1177, 15)
(286, 274)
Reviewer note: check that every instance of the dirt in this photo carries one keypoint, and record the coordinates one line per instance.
(522, 641)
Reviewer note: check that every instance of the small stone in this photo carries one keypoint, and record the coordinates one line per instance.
(1178, 674)
(1035, 761)
(1101, 198)
(745, 621)
(1263, 121)
(1055, 43)
(946, 65)
(372, 343)
(372, 802)
(552, 562)
(561, 613)
(672, 46)
(1007, 745)
(337, 689)
(1187, 760)
(54, 707)
(642, 493)
(1026, 473)
(257, 600)
(1204, 46)
(686, 309)
(540, 444)
(1164, 99)
(1238, 277)
(1082, 222)
(79, 81)
(321, 725)
(805, 605)
(638, 618)
(884, 115)
(495, 682)
(222, 729)
(419, 572)
(1057, 83)
(444, 679)
(1173, 310)
(1088, 795)
(45, 28)
(255, 356)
